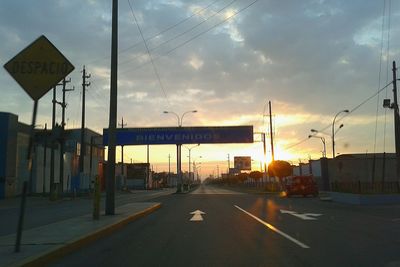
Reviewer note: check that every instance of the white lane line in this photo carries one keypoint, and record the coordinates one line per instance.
(273, 228)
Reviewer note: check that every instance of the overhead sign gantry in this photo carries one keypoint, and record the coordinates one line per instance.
(182, 135)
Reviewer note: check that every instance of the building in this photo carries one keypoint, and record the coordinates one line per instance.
(138, 176)
(351, 168)
(47, 163)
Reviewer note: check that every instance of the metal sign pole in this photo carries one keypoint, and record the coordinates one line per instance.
(25, 184)
(44, 54)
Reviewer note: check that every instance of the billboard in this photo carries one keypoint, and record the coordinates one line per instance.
(181, 135)
(242, 163)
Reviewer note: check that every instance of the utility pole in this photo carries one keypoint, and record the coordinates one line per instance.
(229, 164)
(194, 170)
(44, 159)
(91, 160)
(62, 137)
(148, 167)
(396, 119)
(83, 147)
(169, 168)
(265, 156)
(179, 184)
(53, 124)
(122, 148)
(272, 134)
(110, 183)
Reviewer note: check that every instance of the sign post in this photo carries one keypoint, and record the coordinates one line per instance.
(37, 68)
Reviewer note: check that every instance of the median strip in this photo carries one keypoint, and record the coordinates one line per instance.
(273, 228)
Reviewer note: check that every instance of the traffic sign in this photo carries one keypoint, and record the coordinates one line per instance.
(39, 67)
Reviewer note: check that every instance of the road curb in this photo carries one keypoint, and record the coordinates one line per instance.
(46, 257)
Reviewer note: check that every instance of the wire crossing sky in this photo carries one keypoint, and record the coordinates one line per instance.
(226, 59)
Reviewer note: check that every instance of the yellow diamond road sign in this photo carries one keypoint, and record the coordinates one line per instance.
(39, 67)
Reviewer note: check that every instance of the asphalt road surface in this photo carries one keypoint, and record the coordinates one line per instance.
(237, 229)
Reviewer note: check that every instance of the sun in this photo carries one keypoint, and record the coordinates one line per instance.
(258, 158)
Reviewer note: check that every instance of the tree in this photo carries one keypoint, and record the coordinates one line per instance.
(256, 175)
(279, 168)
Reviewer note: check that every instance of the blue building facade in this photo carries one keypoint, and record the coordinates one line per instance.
(14, 141)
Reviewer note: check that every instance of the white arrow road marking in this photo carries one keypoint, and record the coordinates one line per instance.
(304, 216)
(273, 228)
(197, 215)
(287, 211)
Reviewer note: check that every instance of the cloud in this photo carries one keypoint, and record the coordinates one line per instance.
(196, 63)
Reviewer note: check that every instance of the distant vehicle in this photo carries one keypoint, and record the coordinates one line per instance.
(300, 185)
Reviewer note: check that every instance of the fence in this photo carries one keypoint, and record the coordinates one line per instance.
(366, 187)
(273, 187)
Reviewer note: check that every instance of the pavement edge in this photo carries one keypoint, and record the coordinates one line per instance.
(62, 250)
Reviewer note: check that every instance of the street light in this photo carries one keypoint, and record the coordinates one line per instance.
(197, 172)
(180, 119)
(321, 132)
(323, 142)
(333, 130)
(179, 149)
(190, 149)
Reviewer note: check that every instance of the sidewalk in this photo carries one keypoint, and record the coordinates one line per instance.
(42, 244)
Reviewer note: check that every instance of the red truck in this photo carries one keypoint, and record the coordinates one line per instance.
(300, 185)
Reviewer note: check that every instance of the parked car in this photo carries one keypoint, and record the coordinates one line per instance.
(300, 185)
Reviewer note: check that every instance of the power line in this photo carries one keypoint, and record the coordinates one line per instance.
(194, 37)
(387, 71)
(172, 26)
(99, 96)
(182, 33)
(347, 114)
(190, 39)
(151, 58)
(379, 76)
(216, 25)
(194, 27)
(161, 32)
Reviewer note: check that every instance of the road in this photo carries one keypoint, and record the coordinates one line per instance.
(240, 229)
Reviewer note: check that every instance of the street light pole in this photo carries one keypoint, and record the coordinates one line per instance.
(190, 149)
(179, 149)
(323, 142)
(176, 115)
(333, 130)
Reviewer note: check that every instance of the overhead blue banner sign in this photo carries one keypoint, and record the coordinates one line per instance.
(182, 135)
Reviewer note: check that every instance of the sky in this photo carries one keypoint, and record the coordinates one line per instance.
(226, 59)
